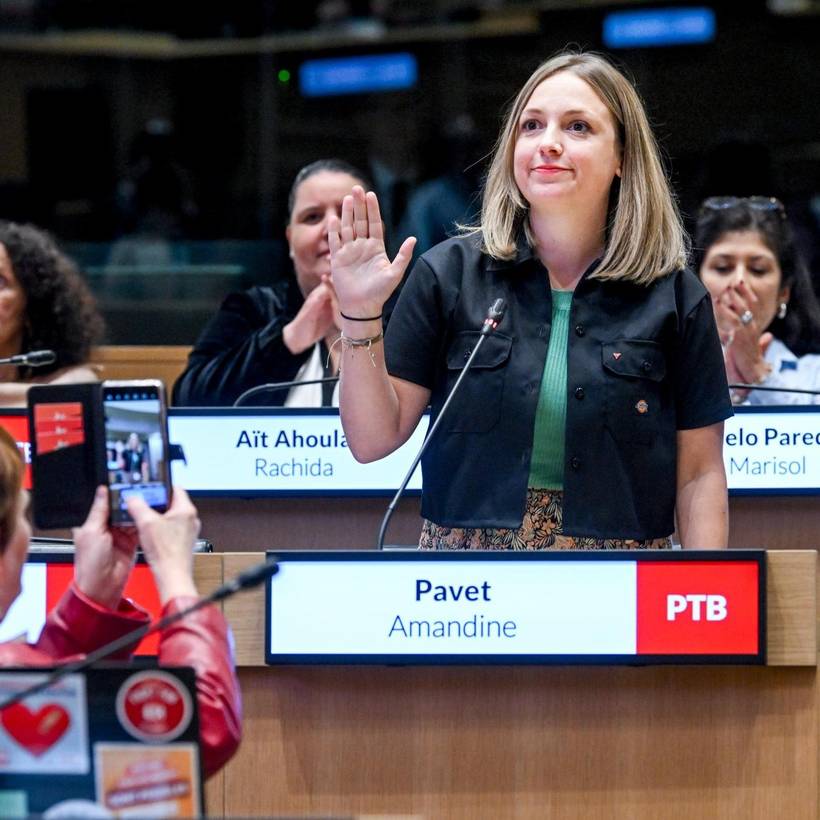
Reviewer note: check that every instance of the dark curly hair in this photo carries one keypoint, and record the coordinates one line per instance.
(61, 314)
(800, 329)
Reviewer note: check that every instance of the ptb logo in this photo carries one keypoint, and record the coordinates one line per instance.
(713, 607)
(698, 607)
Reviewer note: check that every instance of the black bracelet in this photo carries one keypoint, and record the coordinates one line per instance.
(360, 319)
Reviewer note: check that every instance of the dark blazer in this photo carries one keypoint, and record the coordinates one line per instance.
(242, 347)
(643, 363)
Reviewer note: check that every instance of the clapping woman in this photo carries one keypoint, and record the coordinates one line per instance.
(766, 310)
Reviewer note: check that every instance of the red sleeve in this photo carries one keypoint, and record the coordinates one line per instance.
(202, 640)
(78, 625)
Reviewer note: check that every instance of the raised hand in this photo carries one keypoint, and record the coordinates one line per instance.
(315, 319)
(103, 556)
(363, 275)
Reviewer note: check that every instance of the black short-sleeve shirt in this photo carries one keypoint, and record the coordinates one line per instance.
(642, 363)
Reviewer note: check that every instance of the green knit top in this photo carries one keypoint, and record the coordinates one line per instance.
(547, 465)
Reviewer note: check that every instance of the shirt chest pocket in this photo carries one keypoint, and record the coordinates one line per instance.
(476, 407)
(634, 373)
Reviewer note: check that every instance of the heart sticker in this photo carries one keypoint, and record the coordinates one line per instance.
(36, 730)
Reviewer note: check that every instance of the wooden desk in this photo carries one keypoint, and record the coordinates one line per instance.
(163, 362)
(563, 742)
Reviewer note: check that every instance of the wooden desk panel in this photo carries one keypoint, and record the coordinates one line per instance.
(527, 742)
(774, 522)
(242, 525)
(163, 362)
(238, 525)
(791, 608)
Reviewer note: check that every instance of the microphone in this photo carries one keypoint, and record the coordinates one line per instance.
(494, 316)
(245, 580)
(274, 386)
(742, 386)
(36, 358)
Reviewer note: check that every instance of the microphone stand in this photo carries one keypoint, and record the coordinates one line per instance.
(245, 580)
(274, 386)
(494, 316)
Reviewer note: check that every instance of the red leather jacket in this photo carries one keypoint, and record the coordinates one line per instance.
(201, 640)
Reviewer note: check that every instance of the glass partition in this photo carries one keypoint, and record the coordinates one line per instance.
(154, 291)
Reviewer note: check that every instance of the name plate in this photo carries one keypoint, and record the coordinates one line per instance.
(772, 451)
(631, 607)
(281, 452)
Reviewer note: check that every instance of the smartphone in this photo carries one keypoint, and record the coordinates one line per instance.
(136, 445)
(67, 454)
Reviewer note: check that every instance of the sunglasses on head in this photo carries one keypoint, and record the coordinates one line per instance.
(769, 204)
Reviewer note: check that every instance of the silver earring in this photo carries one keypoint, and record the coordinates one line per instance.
(782, 310)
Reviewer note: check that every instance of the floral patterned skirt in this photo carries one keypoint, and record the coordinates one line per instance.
(541, 529)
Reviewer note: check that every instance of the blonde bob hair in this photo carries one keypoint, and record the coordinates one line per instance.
(645, 236)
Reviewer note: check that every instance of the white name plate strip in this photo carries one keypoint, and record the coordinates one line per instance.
(304, 452)
(281, 452)
(773, 451)
(496, 607)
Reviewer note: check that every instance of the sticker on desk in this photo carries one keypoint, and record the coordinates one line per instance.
(135, 780)
(154, 706)
(46, 733)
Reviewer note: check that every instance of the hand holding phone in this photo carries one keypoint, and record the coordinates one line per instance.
(168, 543)
(103, 555)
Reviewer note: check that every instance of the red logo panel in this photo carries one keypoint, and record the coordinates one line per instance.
(698, 607)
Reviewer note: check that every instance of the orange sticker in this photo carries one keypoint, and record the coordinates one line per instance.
(147, 781)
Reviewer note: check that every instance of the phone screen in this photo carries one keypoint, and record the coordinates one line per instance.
(135, 442)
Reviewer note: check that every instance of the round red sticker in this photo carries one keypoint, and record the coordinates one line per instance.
(154, 706)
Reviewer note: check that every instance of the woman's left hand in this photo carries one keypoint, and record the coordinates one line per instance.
(747, 344)
(103, 556)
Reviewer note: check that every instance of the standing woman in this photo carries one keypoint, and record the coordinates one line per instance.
(595, 412)
(766, 311)
(44, 305)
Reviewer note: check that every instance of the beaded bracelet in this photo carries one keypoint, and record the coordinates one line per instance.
(352, 344)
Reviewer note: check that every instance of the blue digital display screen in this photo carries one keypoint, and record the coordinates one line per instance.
(659, 27)
(358, 75)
